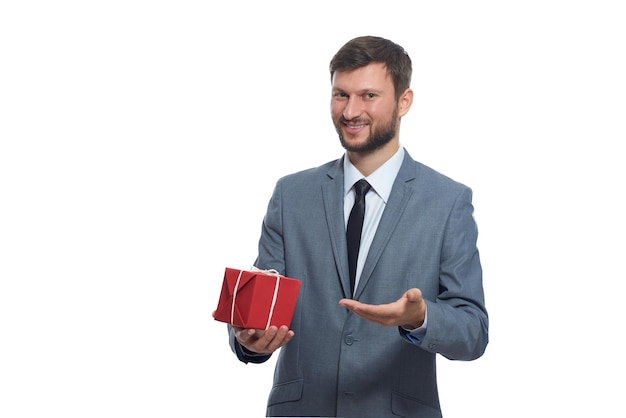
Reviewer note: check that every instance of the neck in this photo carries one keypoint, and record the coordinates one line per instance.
(368, 162)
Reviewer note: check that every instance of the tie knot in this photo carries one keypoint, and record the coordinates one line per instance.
(361, 187)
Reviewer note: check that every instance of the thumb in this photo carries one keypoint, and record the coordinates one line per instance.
(414, 295)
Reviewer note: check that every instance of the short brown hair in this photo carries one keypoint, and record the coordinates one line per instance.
(365, 50)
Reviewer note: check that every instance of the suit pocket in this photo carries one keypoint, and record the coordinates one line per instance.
(404, 406)
(286, 392)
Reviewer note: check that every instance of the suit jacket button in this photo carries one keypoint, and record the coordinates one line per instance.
(349, 339)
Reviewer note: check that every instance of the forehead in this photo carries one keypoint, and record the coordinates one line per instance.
(372, 76)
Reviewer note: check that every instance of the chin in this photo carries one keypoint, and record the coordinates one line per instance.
(352, 144)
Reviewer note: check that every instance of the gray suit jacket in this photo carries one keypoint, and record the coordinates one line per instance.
(339, 365)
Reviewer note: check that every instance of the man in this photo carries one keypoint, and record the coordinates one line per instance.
(418, 289)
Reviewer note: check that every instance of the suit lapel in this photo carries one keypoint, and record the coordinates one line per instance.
(398, 200)
(332, 192)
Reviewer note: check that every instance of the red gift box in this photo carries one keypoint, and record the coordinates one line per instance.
(256, 299)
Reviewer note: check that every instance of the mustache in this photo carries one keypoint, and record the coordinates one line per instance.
(356, 121)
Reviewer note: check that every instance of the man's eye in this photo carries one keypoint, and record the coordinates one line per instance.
(370, 95)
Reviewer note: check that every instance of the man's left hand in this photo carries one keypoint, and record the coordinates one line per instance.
(408, 311)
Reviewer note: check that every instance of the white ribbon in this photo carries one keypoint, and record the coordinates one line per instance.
(232, 307)
(270, 272)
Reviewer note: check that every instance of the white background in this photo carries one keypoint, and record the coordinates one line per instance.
(140, 142)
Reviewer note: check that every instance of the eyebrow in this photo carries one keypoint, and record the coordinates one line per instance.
(361, 91)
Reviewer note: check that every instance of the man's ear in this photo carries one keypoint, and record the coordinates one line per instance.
(405, 102)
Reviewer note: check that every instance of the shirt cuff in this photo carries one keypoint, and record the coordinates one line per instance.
(415, 335)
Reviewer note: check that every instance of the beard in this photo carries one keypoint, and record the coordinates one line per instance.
(379, 136)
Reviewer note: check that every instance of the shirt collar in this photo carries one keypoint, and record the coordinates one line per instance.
(381, 180)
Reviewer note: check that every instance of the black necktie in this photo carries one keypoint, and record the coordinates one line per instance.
(355, 224)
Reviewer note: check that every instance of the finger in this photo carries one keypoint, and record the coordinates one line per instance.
(273, 339)
(414, 295)
(367, 312)
(349, 303)
(282, 337)
(244, 336)
(268, 337)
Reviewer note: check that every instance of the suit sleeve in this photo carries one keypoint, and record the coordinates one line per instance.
(458, 320)
(271, 256)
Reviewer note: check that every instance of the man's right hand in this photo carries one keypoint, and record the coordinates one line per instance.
(263, 341)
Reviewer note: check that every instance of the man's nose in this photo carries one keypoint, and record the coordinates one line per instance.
(353, 108)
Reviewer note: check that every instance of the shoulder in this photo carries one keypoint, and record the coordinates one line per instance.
(311, 176)
(422, 177)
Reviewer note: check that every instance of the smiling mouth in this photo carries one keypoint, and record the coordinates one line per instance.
(355, 123)
(354, 126)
